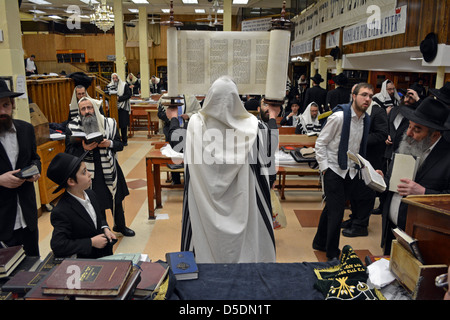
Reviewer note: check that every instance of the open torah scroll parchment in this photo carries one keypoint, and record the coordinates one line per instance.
(204, 56)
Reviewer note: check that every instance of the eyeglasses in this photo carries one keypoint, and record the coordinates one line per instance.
(365, 95)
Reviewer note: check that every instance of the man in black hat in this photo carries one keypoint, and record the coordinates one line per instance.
(79, 226)
(423, 139)
(340, 95)
(316, 94)
(18, 210)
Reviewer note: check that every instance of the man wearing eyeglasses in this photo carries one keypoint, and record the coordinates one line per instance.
(347, 129)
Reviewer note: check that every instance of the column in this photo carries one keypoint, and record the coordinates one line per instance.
(143, 53)
(12, 54)
(440, 77)
(227, 14)
(339, 68)
(119, 39)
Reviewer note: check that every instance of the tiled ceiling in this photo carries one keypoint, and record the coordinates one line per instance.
(59, 7)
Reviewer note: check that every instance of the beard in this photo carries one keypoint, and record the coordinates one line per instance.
(6, 122)
(89, 123)
(414, 148)
(264, 115)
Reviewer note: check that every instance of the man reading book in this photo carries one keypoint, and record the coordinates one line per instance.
(108, 180)
(423, 140)
(79, 226)
(346, 129)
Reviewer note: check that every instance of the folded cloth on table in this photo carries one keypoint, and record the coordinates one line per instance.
(347, 280)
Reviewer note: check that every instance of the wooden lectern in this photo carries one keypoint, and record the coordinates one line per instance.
(428, 221)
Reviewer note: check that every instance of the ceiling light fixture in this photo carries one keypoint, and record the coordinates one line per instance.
(103, 17)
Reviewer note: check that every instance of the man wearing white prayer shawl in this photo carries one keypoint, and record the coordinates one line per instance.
(108, 180)
(228, 158)
(309, 120)
(123, 104)
(388, 97)
(79, 92)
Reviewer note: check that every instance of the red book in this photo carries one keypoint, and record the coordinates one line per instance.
(153, 274)
(88, 277)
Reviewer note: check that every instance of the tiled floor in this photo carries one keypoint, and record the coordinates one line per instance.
(156, 237)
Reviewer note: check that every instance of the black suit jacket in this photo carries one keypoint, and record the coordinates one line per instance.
(434, 175)
(26, 193)
(340, 95)
(378, 133)
(74, 228)
(315, 94)
(396, 134)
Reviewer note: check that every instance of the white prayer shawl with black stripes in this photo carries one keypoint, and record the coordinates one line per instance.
(227, 213)
(307, 124)
(73, 106)
(108, 127)
(120, 91)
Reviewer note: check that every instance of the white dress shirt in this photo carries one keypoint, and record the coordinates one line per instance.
(9, 141)
(86, 203)
(327, 144)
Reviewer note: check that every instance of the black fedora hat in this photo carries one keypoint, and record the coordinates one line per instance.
(429, 47)
(61, 167)
(443, 93)
(317, 78)
(5, 92)
(430, 113)
(340, 79)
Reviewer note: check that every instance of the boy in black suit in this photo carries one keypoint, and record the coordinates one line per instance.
(79, 226)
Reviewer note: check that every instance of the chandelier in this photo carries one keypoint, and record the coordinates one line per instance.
(103, 17)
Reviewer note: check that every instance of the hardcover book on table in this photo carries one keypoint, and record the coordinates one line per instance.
(9, 259)
(183, 265)
(88, 277)
(153, 274)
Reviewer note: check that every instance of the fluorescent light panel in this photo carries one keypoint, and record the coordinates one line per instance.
(39, 1)
(165, 10)
(240, 1)
(140, 1)
(190, 1)
(38, 11)
(134, 10)
(200, 11)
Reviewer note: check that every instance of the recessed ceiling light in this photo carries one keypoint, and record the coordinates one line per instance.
(200, 11)
(240, 1)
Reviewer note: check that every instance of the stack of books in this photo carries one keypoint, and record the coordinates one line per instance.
(10, 258)
(89, 279)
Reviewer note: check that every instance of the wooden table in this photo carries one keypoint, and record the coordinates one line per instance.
(154, 160)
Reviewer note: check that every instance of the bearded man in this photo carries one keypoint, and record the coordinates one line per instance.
(18, 210)
(108, 181)
(423, 139)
